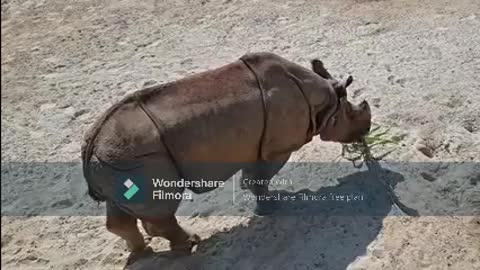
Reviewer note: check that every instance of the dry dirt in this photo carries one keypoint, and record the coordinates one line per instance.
(417, 62)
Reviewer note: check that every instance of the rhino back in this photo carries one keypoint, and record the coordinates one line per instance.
(126, 135)
(210, 117)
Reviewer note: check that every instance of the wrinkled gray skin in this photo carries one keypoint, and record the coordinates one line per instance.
(249, 115)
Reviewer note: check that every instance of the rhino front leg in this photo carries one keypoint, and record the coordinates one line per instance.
(256, 178)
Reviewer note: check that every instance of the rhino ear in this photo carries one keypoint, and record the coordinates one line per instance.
(340, 89)
(348, 81)
(317, 67)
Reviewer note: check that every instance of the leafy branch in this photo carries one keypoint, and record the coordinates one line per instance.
(362, 152)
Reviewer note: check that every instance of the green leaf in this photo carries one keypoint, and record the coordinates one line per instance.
(378, 136)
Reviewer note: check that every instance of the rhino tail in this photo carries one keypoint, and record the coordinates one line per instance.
(95, 195)
(87, 152)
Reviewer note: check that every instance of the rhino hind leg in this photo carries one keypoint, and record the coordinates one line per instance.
(181, 241)
(125, 226)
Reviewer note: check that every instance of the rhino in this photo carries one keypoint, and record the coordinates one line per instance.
(248, 115)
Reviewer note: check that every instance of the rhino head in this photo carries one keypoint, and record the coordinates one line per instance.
(350, 122)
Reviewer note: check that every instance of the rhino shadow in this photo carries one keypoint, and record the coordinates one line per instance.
(300, 235)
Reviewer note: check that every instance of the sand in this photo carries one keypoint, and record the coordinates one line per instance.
(416, 62)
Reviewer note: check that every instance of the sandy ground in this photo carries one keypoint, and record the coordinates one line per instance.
(417, 62)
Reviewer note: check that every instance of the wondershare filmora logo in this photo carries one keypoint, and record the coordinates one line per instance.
(132, 189)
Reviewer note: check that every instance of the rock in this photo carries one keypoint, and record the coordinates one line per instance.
(80, 112)
(424, 149)
(149, 83)
(427, 176)
(65, 105)
(69, 111)
(65, 203)
(29, 257)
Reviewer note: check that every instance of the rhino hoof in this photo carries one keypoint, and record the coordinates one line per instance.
(194, 239)
(137, 255)
(185, 248)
